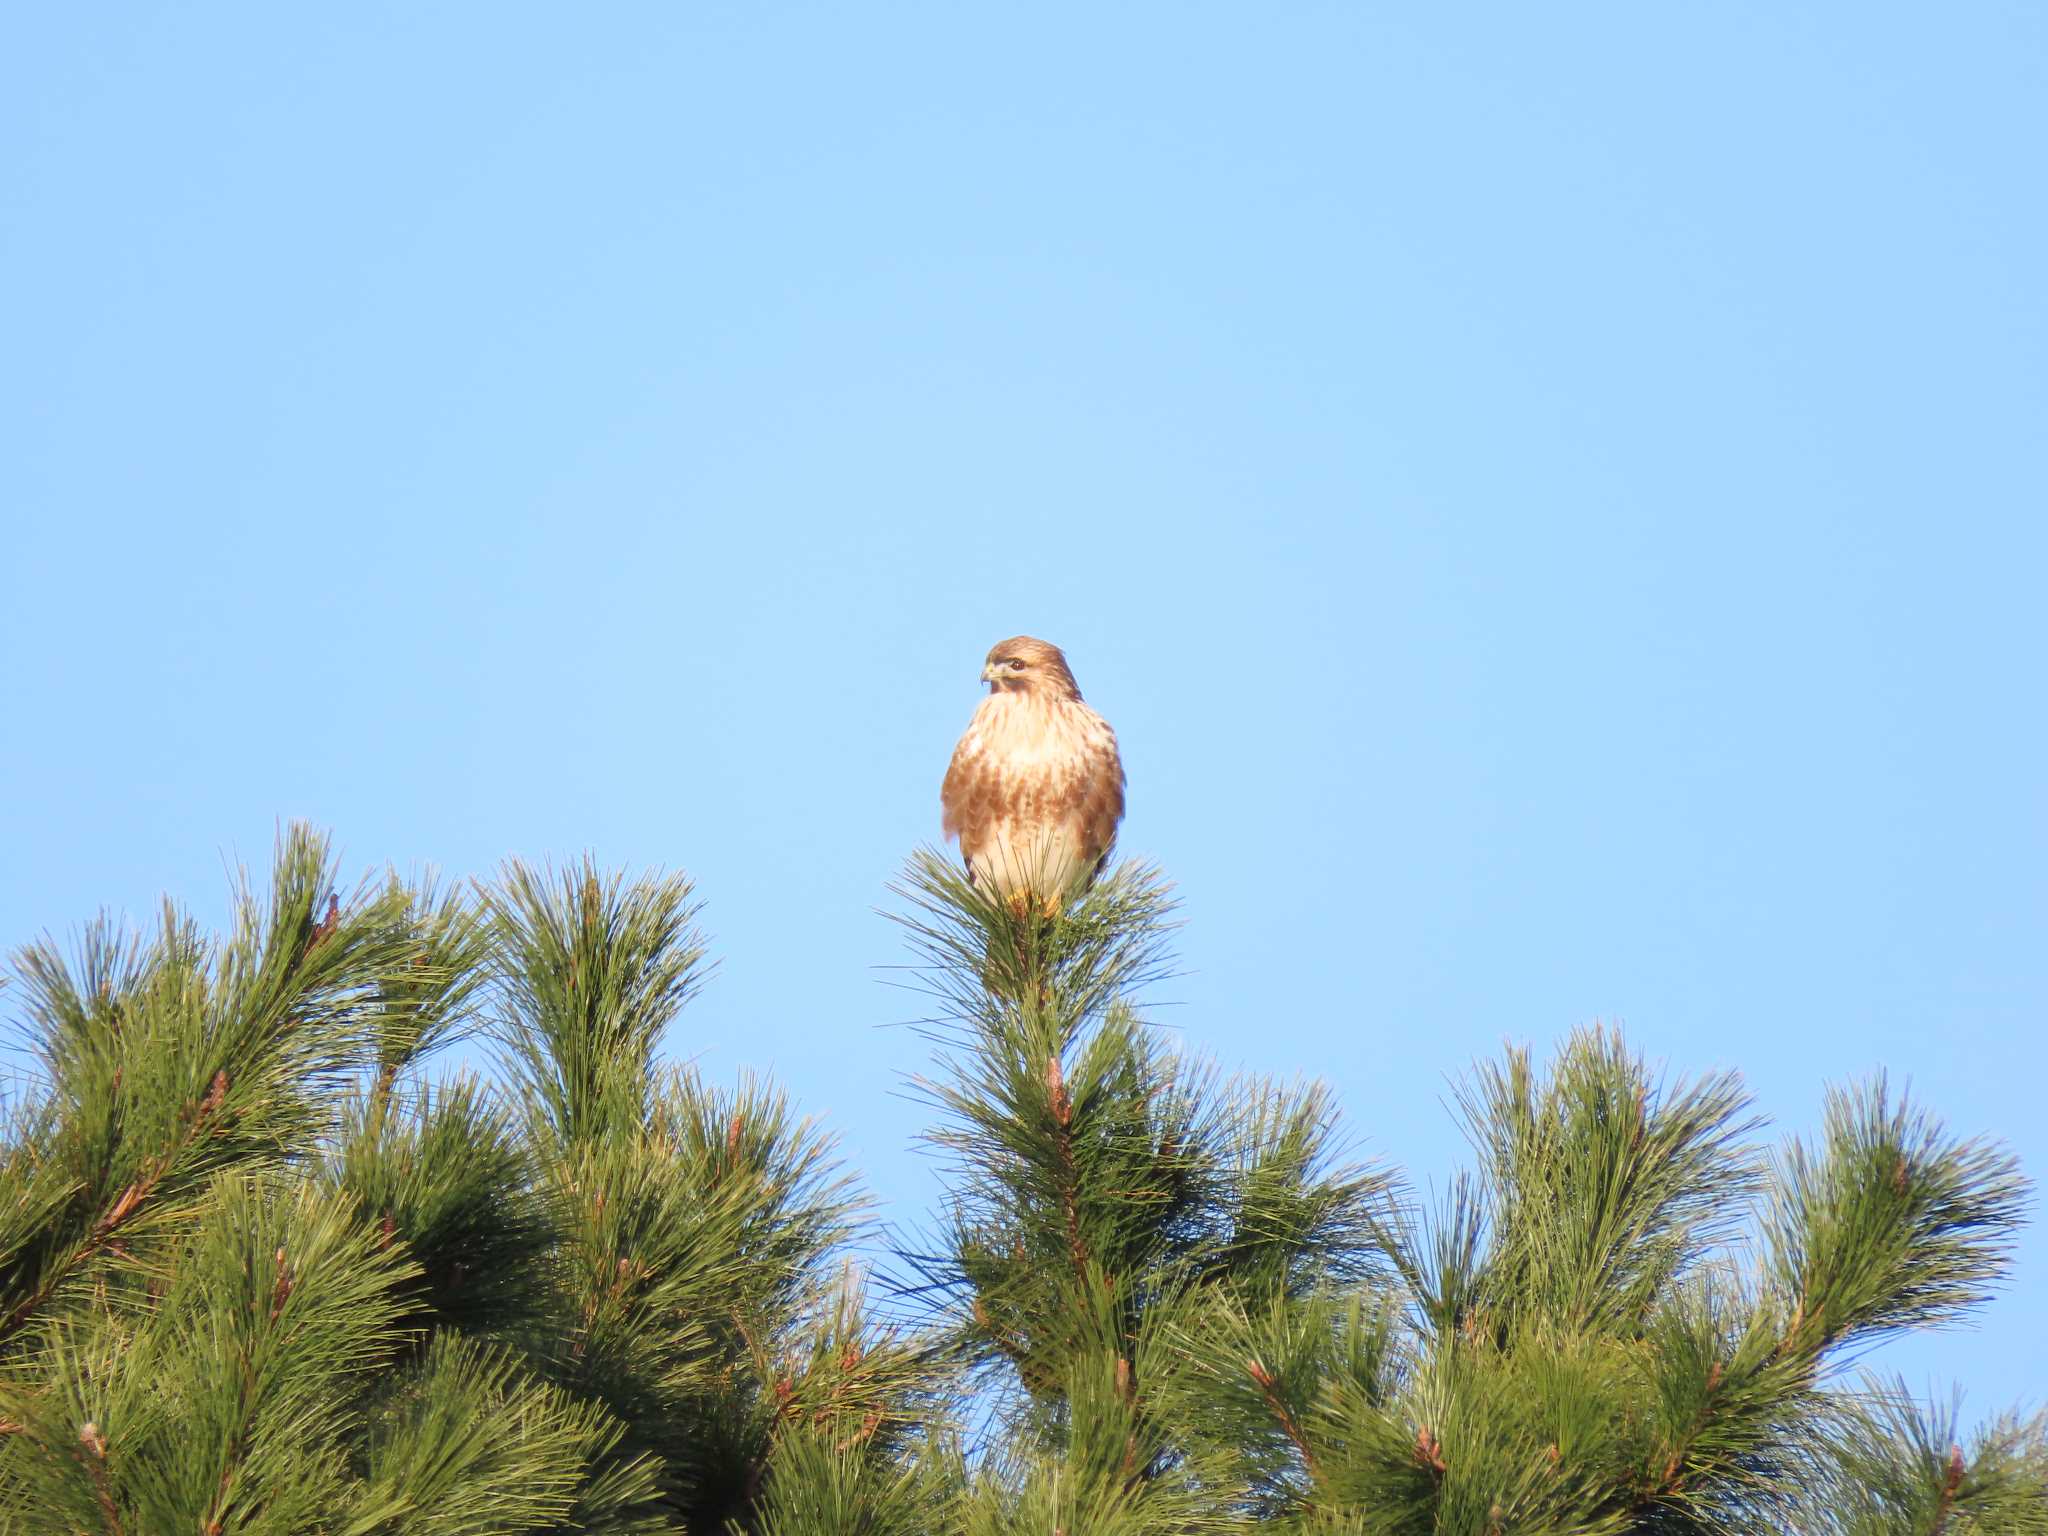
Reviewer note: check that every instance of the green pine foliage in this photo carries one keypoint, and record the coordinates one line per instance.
(269, 1264)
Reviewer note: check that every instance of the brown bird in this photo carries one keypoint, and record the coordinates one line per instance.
(1036, 787)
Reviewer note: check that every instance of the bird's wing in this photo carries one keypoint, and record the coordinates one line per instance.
(967, 799)
(1100, 805)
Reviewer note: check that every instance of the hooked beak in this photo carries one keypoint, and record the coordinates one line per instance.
(988, 673)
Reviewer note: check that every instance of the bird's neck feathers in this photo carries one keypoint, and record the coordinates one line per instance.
(1025, 709)
(1029, 714)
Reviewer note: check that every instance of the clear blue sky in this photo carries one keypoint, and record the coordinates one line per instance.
(1551, 497)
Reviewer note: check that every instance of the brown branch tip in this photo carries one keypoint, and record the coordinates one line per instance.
(1428, 1450)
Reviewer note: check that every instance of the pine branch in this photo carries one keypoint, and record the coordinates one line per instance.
(1892, 1224)
(591, 972)
(1898, 1467)
(170, 1061)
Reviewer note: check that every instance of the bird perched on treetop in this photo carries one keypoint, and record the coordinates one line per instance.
(1035, 788)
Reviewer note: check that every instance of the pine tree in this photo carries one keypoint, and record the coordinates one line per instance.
(1629, 1318)
(269, 1265)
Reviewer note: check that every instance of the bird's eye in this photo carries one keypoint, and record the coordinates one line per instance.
(1016, 665)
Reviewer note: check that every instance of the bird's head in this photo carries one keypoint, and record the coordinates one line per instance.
(1028, 666)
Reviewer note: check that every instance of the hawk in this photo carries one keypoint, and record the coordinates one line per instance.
(1035, 788)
